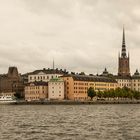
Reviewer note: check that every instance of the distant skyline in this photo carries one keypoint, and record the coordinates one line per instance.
(80, 35)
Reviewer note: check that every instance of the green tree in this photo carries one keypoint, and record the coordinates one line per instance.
(91, 93)
(99, 94)
(18, 95)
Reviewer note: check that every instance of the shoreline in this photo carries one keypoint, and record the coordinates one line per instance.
(68, 102)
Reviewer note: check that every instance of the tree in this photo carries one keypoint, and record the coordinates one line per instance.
(82, 73)
(18, 95)
(99, 94)
(91, 93)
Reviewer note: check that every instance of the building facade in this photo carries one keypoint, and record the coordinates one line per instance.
(11, 82)
(45, 75)
(76, 86)
(136, 81)
(124, 82)
(56, 89)
(36, 91)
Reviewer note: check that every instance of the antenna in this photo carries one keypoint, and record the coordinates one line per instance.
(53, 64)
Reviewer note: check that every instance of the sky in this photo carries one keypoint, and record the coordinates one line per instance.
(80, 35)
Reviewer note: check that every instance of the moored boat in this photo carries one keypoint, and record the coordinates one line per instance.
(7, 99)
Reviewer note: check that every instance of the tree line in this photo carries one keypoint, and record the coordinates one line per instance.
(118, 93)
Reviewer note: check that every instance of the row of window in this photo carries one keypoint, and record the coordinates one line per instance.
(81, 84)
(43, 77)
(59, 95)
(124, 80)
(99, 84)
(55, 87)
(35, 87)
(81, 91)
(136, 84)
(136, 80)
(36, 92)
(125, 85)
(86, 88)
(58, 91)
(57, 83)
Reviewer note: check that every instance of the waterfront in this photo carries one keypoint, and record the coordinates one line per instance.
(70, 122)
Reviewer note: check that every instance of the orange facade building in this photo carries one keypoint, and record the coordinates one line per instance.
(76, 86)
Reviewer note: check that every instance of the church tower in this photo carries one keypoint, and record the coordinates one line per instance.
(124, 69)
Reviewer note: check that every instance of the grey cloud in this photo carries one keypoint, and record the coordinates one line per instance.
(81, 35)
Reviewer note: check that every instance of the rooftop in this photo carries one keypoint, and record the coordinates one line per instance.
(91, 78)
(49, 71)
(38, 83)
(56, 80)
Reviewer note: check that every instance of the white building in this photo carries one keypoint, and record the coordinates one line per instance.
(131, 82)
(45, 75)
(56, 89)
(124, 82)
(136, 81)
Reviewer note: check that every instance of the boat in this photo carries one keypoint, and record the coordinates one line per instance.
(7, 99)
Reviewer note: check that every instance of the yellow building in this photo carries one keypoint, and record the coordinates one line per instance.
(36, 91)
(76, 86)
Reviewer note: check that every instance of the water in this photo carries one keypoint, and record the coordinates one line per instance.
(70, 122)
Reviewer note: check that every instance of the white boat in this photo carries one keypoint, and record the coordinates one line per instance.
(8, 99)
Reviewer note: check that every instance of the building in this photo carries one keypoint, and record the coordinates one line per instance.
(124, 68)
(56, 89)
(136, 81)
(124, 78)
(124, 81)
(11, 82)
(76, 86)
(36, 91)
(45, 75)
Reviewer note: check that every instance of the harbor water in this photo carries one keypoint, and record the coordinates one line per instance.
(70, 122)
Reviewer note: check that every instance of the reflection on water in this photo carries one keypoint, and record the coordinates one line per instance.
(70, 122)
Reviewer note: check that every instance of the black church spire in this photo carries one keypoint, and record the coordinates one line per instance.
(123, 45)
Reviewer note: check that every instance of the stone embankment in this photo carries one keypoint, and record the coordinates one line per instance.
(68, 102)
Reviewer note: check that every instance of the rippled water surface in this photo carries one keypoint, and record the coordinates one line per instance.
(70, 122)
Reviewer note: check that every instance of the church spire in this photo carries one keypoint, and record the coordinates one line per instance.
(123, 44)
(124, 69)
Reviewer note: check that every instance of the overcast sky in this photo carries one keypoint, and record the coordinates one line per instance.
(81, 35)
